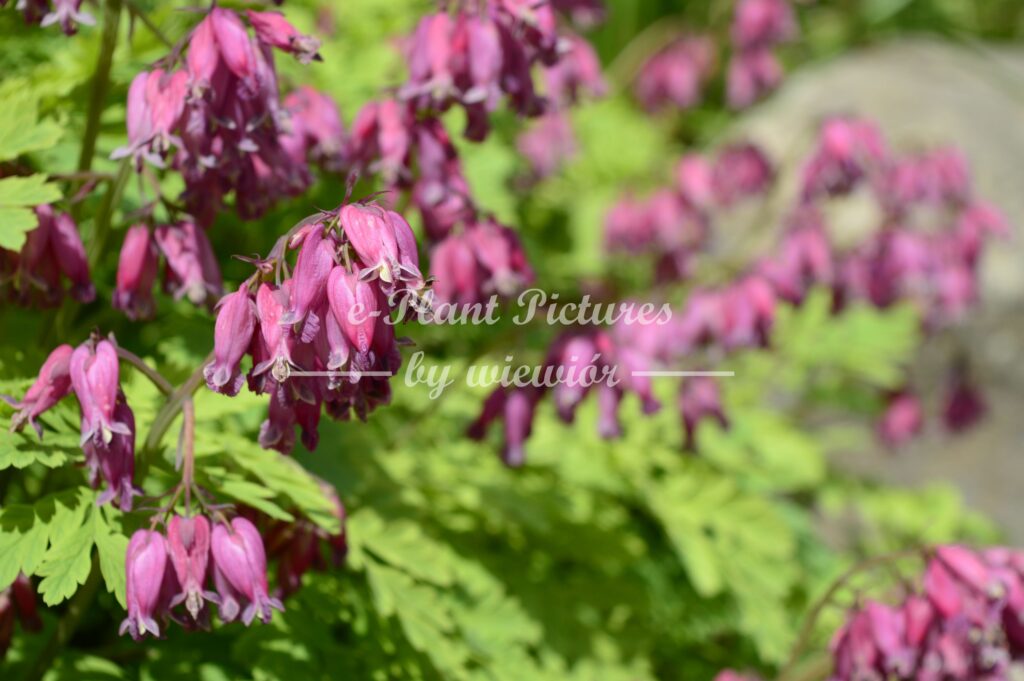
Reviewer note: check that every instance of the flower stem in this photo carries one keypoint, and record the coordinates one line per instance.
(155, 377)
(165, 417)
(100, 83)
(807, 630)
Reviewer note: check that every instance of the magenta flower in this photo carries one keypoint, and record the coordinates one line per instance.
(145, 563)
(69, 15)
(847, 150)
(762, 23)
(137, 268)
(309, 281)
(274, 30)
(676, 75)
(49, 388)
(188, 545)
(94, 376)
(276, 348)
(547, 144)
(384, 243)
(233, 43)
(964, 404)
(752, 75)
(699, 399)
(740, 170)
(192, 269)
(241, 561)
(236, 322)
(902, 421)
(355, 308)
(316, 126)
(458, 277)
(113, 462)
(578, 71)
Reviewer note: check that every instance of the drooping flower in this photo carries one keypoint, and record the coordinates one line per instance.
(241, 561)
(274, 30)
(192, 269)
(137, 268)
(145, 563)
(188, 546)
(49, 388)
(94, 376)
(676, 75)
(232, 335)
(902, 420)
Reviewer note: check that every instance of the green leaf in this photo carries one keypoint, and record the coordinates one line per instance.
(66, 565)
(15, 223)
(30, 190)
(20, 129)
(26, 532)
(112, 546)
(17, 195)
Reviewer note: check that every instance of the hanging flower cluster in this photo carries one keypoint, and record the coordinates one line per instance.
(91, 371)
(191, 270)
(323, 336)
(164, 572)
(965, 622)
(754, 70)
(474, 57)
(677, 76)
(53, 252)
(550, 140)
(925, 251)
(218, 118)
(67, 13)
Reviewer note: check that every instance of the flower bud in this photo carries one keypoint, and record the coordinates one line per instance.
(309, 281)
(233, 42)
(145, 563)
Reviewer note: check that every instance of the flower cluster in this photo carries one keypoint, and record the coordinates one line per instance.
(323, 336)
(164, 572)
(963, 623)
(754, 70)
(67, 13)
(17, 602)
(52, 252)
(925, 252)
(673, 223)
(550, 140)
(675, 76)
(191, 268)
(473, 57)
(91, 371)
(218, 119)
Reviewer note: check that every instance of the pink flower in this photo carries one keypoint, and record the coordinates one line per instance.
(902, 420)
(676, 75)
(68, 14)
(547, 144)
(578, 71)
(241, 561)
(355, 308)
(741, 170)
(188, 543)
(94, 375)
(309, 281)
(236, 322)
(145, 563)
(762, 23)
(317, 126)
(192, 269)
(752, 75)
(699, 399)
(964, 404)
(137, 268)
(113, 461)
(49, 388)
(274, 30)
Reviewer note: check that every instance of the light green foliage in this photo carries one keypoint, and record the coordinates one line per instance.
(53, 538)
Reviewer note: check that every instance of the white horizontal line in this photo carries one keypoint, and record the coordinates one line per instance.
(328, 374)
(684, 373)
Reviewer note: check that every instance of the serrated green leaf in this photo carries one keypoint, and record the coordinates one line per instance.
(15, 223)
(30, 190)
(67, 564)
(111, 546)
(20, 129)
(253, 495)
